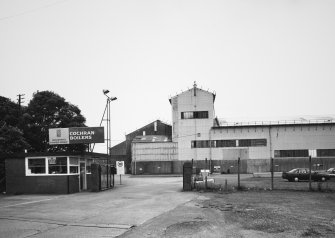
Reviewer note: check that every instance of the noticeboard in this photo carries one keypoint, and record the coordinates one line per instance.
(76, 135)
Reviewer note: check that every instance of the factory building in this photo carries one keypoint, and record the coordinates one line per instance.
(148, 133)
(198, 135)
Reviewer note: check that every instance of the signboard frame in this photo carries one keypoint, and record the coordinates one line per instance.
(76, 135)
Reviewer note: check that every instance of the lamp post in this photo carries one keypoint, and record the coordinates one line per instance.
(108, 128)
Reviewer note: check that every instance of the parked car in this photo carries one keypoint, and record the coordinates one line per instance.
(329, 172)
(302, 174)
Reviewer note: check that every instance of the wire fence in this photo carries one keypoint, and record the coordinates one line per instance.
(300, 179)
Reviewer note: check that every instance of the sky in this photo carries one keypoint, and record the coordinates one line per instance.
(263, 58)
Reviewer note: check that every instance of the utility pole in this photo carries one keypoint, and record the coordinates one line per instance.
(20, 101)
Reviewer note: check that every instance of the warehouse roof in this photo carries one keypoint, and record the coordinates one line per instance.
(150, 138)
(306, 120)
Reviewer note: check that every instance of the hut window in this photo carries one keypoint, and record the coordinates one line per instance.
(57, 165)
(36, 166)
(74, 164)
(88, 166)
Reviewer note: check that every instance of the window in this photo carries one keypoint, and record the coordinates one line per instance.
(258, 142)
(36, 166)
(291, 153)
(74, 165)
(187, 115)
(88, 166)
(325, 152)
(200, 144)
(252, 142)
(194, 115)
(203, 114)
(226, 143)
(57, 165)
(229, 143)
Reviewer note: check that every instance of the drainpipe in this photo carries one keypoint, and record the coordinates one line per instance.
(210, 150)
(270, 141)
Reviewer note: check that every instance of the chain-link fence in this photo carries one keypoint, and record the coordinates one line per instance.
(279, 176)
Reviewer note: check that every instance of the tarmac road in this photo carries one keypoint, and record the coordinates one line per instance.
(104, 214)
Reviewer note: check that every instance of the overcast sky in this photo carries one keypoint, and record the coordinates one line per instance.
(263, 58)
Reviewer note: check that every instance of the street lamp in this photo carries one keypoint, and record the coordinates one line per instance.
(109, 99)
(108, 129)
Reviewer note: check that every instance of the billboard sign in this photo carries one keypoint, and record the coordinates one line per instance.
(76, 135)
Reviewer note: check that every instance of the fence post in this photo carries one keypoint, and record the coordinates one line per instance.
(187, 176)
(99, 173)
(206, 175)
(238, 173)
(272, 172)
(310, 173)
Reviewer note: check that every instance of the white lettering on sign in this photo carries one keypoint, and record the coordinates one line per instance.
(81, 135)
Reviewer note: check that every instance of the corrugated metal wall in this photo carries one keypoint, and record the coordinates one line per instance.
(160, 151)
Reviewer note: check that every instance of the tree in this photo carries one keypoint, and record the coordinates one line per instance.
(49, 110)
(11, 127)
(9, 112)
(12, 140)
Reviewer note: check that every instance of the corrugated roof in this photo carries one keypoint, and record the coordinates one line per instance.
(279, 121)
(151, 138)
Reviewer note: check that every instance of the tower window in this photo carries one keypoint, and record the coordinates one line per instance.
(194, 115)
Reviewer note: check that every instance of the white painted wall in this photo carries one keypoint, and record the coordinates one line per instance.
(186, 130)
(282, 137)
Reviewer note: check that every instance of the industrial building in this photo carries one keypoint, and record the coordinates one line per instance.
(198, 135)
(148, 133)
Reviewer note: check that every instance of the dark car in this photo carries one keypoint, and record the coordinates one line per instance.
(302, 174)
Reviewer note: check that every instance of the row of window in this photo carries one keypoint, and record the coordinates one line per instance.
(194, 115)
(55, 165)
(228, 143)
(303, 153)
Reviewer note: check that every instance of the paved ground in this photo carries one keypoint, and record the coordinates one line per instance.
(105, 214)
(156, 207)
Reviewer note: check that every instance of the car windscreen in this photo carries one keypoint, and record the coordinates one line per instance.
(293, 171)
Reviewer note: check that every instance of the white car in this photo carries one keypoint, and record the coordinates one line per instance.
(331, 172)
